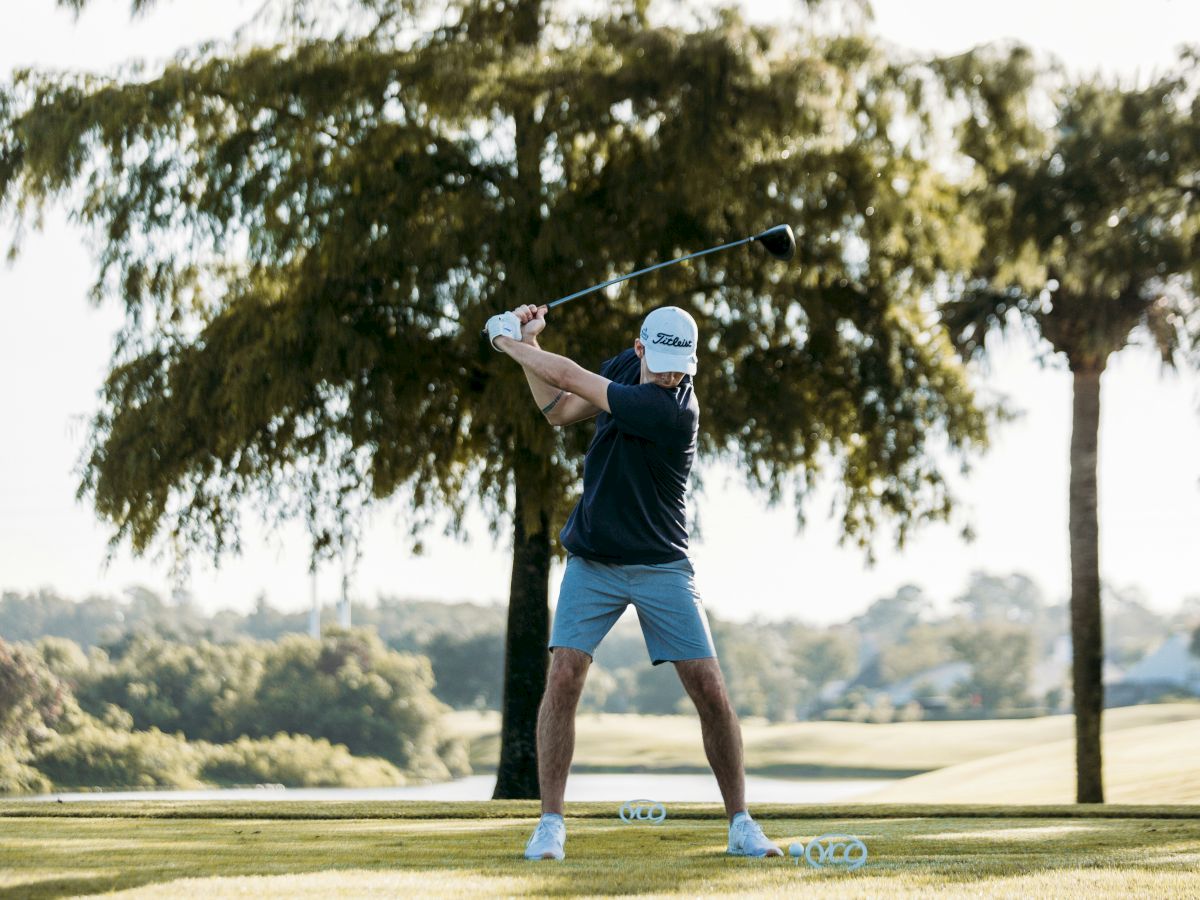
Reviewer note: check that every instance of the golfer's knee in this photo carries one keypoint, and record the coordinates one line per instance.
(707, 690)
(711, 699)
(568, 671)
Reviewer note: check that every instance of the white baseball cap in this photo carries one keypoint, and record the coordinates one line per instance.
(670, 337)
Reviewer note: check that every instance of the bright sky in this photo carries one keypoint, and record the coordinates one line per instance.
(750, 560)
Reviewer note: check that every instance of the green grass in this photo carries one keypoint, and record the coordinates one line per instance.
(619, 743)
(160, 849)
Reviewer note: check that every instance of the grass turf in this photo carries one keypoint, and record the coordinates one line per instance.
(162, 849)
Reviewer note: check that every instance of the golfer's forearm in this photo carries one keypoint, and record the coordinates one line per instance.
(550, 369)
(543, 392)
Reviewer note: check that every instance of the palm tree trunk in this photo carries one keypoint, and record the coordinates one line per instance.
(526, 658)
(1086, 633)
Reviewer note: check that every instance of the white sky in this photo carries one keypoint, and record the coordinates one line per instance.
(54, 348)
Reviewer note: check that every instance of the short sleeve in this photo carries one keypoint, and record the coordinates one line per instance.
(645, 410)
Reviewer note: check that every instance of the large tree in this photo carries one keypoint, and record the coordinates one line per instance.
(307, 238)
(1090, 198)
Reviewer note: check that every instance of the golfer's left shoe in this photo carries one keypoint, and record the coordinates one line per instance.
(747, 839)
(547, 839)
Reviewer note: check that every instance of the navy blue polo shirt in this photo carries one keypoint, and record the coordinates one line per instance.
(635, 473)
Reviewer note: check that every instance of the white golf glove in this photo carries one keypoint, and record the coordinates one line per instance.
(506, 325)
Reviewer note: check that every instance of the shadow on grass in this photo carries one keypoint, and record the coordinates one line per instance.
(55, 887)
(432, 856)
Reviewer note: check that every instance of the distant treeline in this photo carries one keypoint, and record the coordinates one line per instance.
(998, 651)
(148, 711)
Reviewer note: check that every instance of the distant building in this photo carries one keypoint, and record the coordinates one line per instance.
(932, 688)
(1170, 669)
(1050, 681)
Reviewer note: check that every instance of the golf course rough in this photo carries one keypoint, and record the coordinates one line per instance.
(380, 849)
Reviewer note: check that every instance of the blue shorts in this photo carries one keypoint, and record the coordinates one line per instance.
(593, 595)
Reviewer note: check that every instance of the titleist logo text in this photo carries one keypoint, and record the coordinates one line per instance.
(670, 340)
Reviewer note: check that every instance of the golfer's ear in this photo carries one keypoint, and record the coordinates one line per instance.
(638, 347)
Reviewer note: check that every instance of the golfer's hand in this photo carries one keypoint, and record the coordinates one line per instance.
(533, 321)
(504, 325)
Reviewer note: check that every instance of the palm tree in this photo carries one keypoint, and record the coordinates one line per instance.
(1093, 238)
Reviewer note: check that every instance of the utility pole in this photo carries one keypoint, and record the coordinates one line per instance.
(343, 608)
(314, 615)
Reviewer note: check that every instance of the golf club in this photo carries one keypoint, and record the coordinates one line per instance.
(778, 241)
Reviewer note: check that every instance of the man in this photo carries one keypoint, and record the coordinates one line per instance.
(627, 543)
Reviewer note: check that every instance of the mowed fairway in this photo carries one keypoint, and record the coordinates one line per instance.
(159, 849)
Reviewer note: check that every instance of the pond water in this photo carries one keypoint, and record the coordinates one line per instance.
(617, 788)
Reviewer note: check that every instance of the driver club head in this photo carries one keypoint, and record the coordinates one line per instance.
(778, 241)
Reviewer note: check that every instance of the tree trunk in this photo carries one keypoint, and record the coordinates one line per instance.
(1087, 638)
(526, 658)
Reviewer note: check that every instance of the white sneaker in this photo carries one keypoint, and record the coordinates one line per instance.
(548, 838)
(746, 838)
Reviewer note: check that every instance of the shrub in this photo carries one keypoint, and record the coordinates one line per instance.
(294, 761)
(32, 699)
(350, 689)
(96, 756)
(199, 689)
(18, 778)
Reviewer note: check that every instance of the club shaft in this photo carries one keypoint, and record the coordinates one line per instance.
(669, 262)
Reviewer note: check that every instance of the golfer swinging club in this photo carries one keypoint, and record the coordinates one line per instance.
(627, 543)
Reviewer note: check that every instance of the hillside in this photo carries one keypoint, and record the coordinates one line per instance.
(1151, 764)
(672, 743)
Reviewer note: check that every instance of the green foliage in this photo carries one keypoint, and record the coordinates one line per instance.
(17, 777)
(293, 761)
(412, 625)
(306, 699)
(32, 700)
(209, 691)
(135, 6)
(27, 617)
(919, 648)
(1092, 216)
(1001, 658)
(65, 659)
(403, 624)
(599, 689)
(658, 691)
(347, 688)
(201, 690)
(993, 598)
(758, 663)
(468, 672)
(307, 237)
(889, 617)
(351, 690)
(822, 656)
(94, 755)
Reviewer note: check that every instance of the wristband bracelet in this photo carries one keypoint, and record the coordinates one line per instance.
(553, 403)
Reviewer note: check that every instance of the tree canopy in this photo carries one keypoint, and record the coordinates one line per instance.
(1091, 209)
(306, 238)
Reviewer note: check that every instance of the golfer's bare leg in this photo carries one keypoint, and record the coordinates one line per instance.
(719, 725)
(556, 724)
